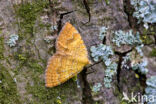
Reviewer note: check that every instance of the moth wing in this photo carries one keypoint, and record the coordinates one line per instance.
(66, 34)
(70, 57)
(69, 68)
(51, 75)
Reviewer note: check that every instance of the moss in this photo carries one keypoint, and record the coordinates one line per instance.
(107, 2)
(153, 52)
(124, 102)
(79, 4)
(147, 35)
(74, 78)
(41, 25)
(146, 39)
(1, 47)
(118, 93)
(28, 13)
(22, 58)
(35, 70)
(8, 91)
(31, 68)
(40, 93)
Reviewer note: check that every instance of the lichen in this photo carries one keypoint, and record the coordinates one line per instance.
(101, 52)
(150, 90)
(58, 100)
(109, 73)
(103, 32)
(138, 65)
(104, 53)
(126, 38)
(49, 39)
(53, 28)
(145, 11)
(124, 64)
(141, 67)
(139, 49)
(12, 40)
(96, 87)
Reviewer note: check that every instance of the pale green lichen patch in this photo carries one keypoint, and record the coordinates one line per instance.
(144, 11)
(12, 40)
(128, 38)
(104, 53)
(150, 91)
(96, 87)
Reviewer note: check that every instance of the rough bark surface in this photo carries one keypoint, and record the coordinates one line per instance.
(26, 62)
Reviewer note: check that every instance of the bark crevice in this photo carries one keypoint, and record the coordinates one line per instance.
(86, 90)
(87, 9)
(121, 55)
(128, 9)
(60, 20)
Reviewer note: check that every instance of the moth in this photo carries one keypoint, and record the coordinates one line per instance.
(70, 57)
